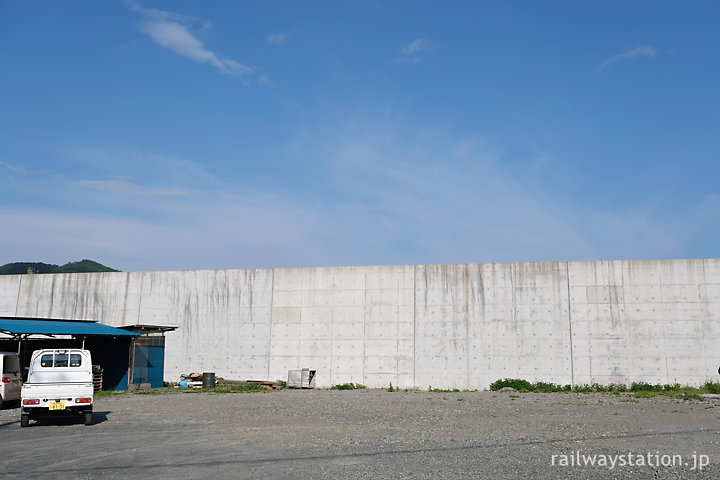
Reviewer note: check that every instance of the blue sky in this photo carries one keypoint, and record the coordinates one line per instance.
(188, 135)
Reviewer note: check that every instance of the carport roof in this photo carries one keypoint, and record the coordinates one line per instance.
(23, 326)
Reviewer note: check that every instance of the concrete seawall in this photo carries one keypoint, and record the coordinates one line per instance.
(448, 326)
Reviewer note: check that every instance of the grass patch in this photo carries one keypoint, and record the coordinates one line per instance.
(229, 388)
(645, 394)
(105, 393)
(443, 390)
(156, 391)
(220, 388)
(348, 386)
(640, 389)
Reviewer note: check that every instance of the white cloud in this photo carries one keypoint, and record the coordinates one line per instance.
(411, 52)
(418, 45)
(277, 38)
(642, 51)
(169, 30)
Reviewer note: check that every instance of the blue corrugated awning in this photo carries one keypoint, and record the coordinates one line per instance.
(14, 326)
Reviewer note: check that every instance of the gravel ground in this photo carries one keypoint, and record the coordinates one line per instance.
(366, 434)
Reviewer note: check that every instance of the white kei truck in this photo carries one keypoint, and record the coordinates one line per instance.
(60, 382)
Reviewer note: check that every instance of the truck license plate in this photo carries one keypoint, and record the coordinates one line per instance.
(57, 406)
(15, 383)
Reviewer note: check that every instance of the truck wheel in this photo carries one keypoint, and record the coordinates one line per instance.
(24, 420)
(1, 402)
(88, 418)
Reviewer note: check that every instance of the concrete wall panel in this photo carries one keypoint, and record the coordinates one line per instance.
(449, 326)
(9, 294)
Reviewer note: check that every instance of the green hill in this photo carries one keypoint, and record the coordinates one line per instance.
(20, 268)
(83, 266)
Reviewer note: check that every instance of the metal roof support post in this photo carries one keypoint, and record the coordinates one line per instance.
(131, 367)
(24, 354)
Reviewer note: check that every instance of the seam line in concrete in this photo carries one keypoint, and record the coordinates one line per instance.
(364, 325)
(662, 321)
(414, 324)
(272, 304)
(17, 300)
(572, 363)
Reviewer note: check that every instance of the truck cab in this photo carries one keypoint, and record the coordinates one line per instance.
(60, 382)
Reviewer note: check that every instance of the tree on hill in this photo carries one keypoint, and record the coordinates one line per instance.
(83, 266)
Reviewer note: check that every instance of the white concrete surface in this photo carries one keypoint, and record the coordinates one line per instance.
(445, 326)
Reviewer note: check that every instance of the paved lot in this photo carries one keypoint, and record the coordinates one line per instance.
(365, 434)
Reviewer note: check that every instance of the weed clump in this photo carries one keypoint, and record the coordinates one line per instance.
(348, 386)
(516, 383)
(711, 387)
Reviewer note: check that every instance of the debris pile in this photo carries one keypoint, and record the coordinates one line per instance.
(266, 384)
(195, 380)
(191, 380)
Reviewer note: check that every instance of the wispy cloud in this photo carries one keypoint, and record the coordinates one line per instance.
(411, 52)
(388, 197)
(162, 15)
(642, 51)
(277, 38)
(129, 189)
(110, 161)
(451, 200)
(215, 230)
(265, 81)
(172, 31)
(12, 168)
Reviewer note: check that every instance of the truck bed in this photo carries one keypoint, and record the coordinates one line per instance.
(57, 390)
